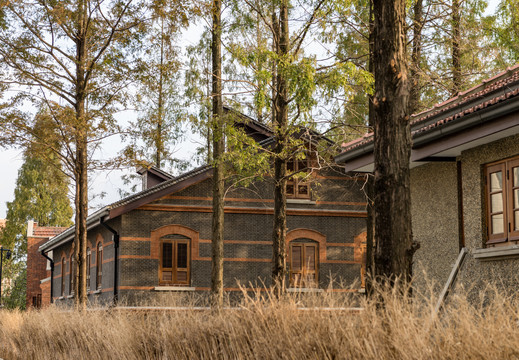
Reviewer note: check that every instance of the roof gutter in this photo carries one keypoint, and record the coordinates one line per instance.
(66, 236)
(51, 275)
(469, 121)
(474, 119)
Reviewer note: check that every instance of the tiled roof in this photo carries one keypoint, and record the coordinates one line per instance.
(490, 92)
(47, 231)
(248, 119)
(127, 200)
(160, 186)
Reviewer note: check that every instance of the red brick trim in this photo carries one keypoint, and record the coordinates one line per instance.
(173, 229)
(308, 234)
(243, 242)
(252, 210)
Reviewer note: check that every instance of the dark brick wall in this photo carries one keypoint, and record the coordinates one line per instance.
(139, 262)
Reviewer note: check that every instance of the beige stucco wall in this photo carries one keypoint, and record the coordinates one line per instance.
(434, 206)
(476, 275)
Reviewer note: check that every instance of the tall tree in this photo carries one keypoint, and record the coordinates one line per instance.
(218, 125)
(70, 56)
(158, 129)
(392, 148)
(416, 57)
(41, 195)
(280, 122)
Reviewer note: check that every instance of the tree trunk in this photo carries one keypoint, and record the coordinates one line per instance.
(280, 161)
(370, 233)
(159, 143)
(81, 153)
(415, 83)
(218, 172)
(392, 148)
(456, 51)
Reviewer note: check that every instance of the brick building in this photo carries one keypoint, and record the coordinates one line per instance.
(38, 268)
(158, 240)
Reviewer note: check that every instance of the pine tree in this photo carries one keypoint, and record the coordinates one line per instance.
(40, 195)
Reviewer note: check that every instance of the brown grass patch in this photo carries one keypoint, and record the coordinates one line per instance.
(318, 326)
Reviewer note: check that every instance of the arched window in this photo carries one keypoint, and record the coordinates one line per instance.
(99, 266)
(175, 245)
(63, 276)
(88, 263)
(71, 272)
(306, 250)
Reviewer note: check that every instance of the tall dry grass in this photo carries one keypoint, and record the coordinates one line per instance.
(265, 328)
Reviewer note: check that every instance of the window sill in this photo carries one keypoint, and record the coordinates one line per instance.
(97, 292)
(301, 201)
(497, 253)
(70, 297)
(304, 290)
(174, 288)
(61, 298)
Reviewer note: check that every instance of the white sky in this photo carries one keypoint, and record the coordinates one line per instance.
(106, 181)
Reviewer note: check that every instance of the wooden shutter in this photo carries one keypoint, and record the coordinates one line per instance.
(296, 264)
(166, 262)
(310, 265)
(182, 262)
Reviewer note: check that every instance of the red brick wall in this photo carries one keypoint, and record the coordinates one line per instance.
(36, 271)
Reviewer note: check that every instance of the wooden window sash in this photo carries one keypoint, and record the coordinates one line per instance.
(99, 267)
(494, 238)
(88, 260)
(294, 184)
(63, 276)
(71, 275)
(174, 269)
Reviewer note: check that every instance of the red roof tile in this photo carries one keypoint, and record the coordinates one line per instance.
(501, 82)
(47, 231)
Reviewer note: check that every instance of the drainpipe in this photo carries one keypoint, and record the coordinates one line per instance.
(116, 265)
(51, 275)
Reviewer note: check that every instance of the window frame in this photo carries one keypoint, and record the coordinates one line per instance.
(174, 262)
(88, 263)
(99, 266)
(63, 261)
(509, 206)
(297, 182)
(71, 270)
(304, 272)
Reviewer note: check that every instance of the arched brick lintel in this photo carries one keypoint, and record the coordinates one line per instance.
(174, 229)
(309, 234)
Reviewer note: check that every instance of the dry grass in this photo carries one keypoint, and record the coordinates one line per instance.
(263, 328)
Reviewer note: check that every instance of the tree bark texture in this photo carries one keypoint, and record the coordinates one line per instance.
(81, 153)
(456, 51)
(392, 148)
(370, 232)
(415, 71)
(280, 161)
(218, 172)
